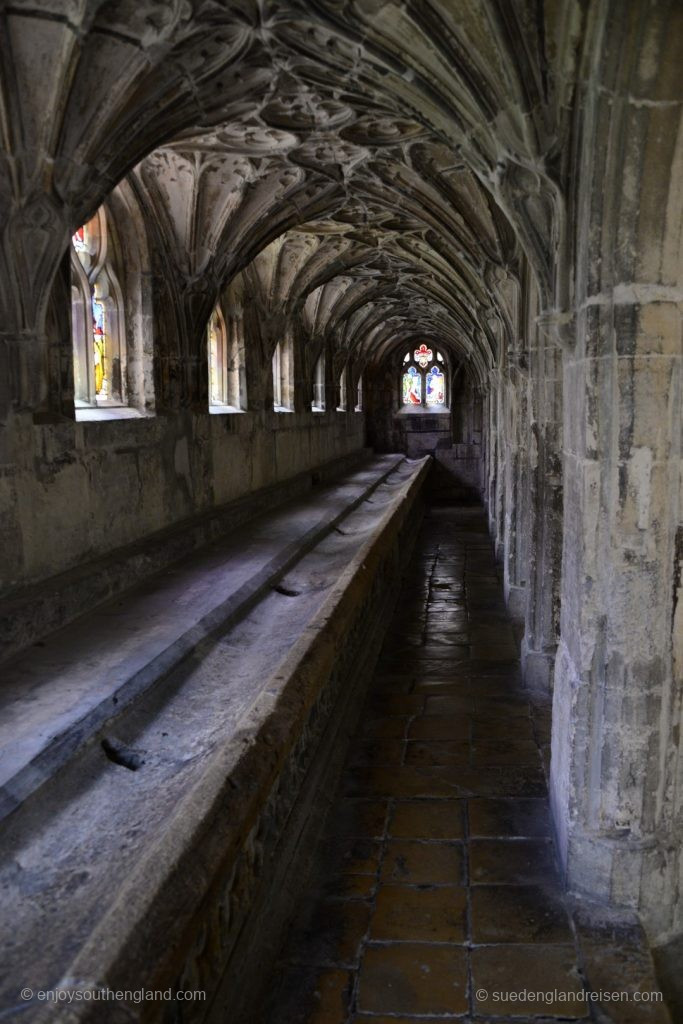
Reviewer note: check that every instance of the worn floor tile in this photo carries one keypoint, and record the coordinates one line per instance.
(519, 913)
(311, 996)
(421, 914)
(448, 638)
(332, 935)
(422, 863)
(413, 979)
(503, 974)
(351, 855)
(428, 819)
(402, 704)
(616, 969)
(494, 651)
(449, 704)
(350, 887)
(511, 861)
(358, 818)
(379, 727)
(440, 727)
(405, 782)
(437, 752)
(379, 751)
(509, 817)
(497, 780)
(494, 728)
(493, 752)
(502, 707)
(454, 685)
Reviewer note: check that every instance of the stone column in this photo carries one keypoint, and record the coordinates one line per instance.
(502, 496)
(616, 769)
(493, 483)
(545, 509)
(515, 466)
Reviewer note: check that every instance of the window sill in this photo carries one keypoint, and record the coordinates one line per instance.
(224, 410)
(317, 408)
(123, 412)
(282, 408)
(423, 410)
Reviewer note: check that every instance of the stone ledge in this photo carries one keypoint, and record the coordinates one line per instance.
(36, 610)
(213, 873)
(47, 721)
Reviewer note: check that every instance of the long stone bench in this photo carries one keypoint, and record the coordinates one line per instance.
(58, 693)
(164, 849)
(32, 612)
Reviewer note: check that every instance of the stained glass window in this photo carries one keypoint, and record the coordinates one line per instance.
(97, 315)
(423, 378)
(435, 387)
(423, 356)
(99, 320)
(412, 387)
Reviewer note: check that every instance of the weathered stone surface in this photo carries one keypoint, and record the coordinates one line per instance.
(340, 181)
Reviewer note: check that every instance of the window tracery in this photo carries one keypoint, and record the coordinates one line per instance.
(423, 378)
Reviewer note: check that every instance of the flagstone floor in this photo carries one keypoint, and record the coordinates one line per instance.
(439, 896)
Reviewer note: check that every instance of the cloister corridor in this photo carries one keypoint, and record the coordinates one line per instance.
(341, 511)
(438, 891)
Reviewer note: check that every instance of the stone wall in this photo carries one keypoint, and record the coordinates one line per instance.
(31, 612)
(454, 437)
(78, 491)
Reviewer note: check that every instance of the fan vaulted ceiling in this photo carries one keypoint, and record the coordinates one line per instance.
(382, 168)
